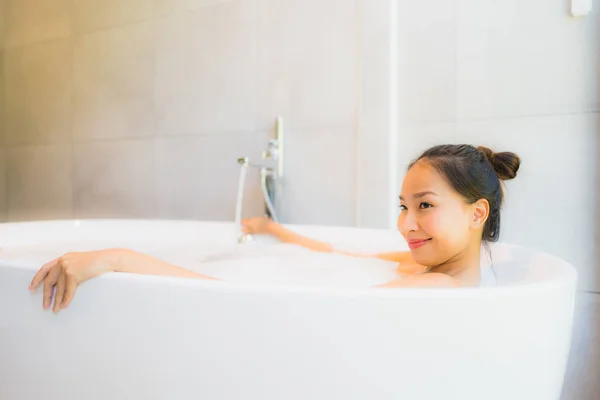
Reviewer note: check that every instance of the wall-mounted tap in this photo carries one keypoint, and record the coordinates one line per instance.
(270, 178)
(274, 149)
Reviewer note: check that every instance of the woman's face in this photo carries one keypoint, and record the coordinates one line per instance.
(437, 223)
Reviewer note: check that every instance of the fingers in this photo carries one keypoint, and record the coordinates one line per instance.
(71, 286)
(49, 283)
(247, 226)
(58, 285)
(41, 274)
(60, 291)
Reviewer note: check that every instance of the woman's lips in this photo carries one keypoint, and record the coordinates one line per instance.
(416, 243)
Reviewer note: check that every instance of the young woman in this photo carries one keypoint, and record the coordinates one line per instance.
(449, 207)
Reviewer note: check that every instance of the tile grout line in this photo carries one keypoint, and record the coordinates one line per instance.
(73, 41)
(357, 117)
(456, 12)
(4, 123)
(154, 137)
(394, 104)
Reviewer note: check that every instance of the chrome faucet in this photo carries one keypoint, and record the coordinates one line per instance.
(270, 178)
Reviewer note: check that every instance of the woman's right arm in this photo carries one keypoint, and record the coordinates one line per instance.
(266, 226)
(263, 225)
(61, 276)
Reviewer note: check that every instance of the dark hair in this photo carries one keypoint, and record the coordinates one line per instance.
(475, 173)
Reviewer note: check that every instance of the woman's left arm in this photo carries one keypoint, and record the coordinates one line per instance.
(61, 276)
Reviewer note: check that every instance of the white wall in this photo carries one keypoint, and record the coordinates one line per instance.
(515, 75)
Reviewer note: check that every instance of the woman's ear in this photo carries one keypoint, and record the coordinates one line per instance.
(481, 212)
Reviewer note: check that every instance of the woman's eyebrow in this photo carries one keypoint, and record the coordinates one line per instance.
(420, 194)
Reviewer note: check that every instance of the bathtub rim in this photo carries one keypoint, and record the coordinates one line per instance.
(565, 279)
(224, 287)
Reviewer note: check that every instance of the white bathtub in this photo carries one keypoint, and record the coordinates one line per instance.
(275, 328)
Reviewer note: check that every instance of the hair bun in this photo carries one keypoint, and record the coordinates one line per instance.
(506, 164)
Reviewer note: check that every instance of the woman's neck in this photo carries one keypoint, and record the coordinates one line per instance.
(465, 266)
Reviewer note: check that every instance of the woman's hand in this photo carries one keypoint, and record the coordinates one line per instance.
(258, 225)
(62, 275)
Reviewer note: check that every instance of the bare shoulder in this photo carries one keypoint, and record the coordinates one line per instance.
(438, 280)
(429, 280)
(406, 264)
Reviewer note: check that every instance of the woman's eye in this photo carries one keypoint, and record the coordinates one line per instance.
(425, 205)
(402, 207)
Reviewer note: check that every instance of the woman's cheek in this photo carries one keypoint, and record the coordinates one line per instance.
(432, 222)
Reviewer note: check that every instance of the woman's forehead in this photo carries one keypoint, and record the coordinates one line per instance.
(423, 177)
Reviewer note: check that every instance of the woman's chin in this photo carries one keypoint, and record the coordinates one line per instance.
(422, 257)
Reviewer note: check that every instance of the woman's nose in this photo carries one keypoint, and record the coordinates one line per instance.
(407, 222)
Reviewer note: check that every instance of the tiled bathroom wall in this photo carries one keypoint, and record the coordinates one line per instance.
(140, 108)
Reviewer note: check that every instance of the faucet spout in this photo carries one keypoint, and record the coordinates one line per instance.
(270, 175)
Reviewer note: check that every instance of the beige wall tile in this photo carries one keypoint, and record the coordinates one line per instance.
(113, 83)
(168, 7)
(32, 21)
(320, 177)
(38, 93)
(197, 177)
(91, 15)
(426, 60)
(309, 55)
(114, 179)
(2, 99)
(416, 137)
(3, 186)
(163, 8)
(206, 70)
(375, 114)
(535, 61)
(2, 22)
(39, 182)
